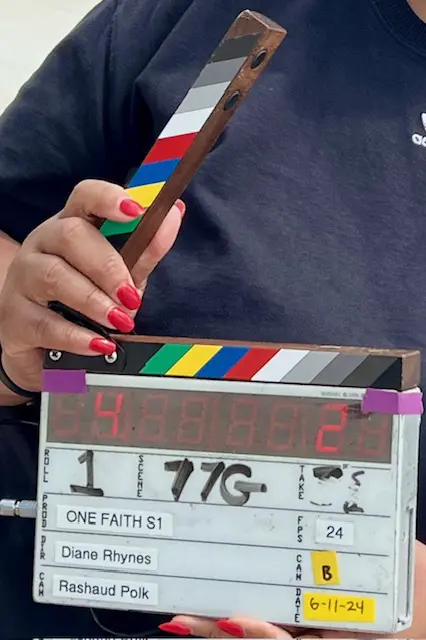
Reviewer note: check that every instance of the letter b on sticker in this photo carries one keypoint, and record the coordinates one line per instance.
(326, 573)
(325, 567)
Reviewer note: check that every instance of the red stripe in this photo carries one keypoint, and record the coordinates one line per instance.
(170, 148)
(250, 364)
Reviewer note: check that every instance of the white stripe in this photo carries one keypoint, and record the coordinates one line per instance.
(283, 362)
(183, 123)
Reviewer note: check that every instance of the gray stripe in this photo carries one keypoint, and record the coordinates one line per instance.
(235, 48)
(203, 97)
(309, 367)
(219, 72)
(338, 369)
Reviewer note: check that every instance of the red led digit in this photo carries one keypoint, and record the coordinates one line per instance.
(192, 420)
(330, 436)
(153, 420)
(106, 420)
(242, 423)
(374, 436)
(284, 417)
(66, 415)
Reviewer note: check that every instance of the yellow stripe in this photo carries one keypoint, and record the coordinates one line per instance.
(146, 194)
(193, 360)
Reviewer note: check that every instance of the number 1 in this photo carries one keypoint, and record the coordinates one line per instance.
(89, 489)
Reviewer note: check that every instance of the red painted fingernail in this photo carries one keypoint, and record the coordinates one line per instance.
(121, 320)
(129, 297)
(230, 627)
(100, 345)
(175, 627)
(181, 206)
(131, 208)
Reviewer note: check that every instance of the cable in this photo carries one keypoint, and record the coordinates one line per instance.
(11, 507)
(20, 508)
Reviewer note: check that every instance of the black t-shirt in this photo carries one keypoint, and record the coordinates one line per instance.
(305, 224)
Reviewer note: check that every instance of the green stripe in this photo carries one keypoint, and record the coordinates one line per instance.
(110, 228)
(165, 359)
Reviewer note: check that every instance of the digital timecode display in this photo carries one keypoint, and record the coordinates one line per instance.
(220, 422)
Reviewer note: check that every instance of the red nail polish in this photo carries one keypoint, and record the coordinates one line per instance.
(177, 628)
(181, 206)
(231, 628)
(129, 297)
(131, 208)
(100, 345)
(120, 320)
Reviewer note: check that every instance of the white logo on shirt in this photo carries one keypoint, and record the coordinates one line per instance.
(418, 138)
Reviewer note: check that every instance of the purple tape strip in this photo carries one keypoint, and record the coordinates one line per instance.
(393, 402)
(64, 381)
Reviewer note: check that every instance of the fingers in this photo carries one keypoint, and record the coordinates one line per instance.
(162, 242)
(72, 237)
(95, 200)
(42, 328)
(236, 627)
(45, 329)
(66, 259)
(61, 282)
(80, 245)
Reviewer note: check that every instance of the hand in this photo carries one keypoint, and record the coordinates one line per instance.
(67, 259)
(244, 627)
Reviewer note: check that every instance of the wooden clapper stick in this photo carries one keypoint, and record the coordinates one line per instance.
(192, 131)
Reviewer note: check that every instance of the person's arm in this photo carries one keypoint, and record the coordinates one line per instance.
(70, 122)
(52, 136)
(8, 249)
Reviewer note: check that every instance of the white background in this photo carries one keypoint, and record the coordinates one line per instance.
(29, 29)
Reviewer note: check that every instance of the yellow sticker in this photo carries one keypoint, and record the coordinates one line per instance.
(325, 567)
(328, 607)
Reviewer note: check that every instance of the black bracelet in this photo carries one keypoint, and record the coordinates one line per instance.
(31, 395)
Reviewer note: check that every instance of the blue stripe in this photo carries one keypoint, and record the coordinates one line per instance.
(154, 172)
(222, 362)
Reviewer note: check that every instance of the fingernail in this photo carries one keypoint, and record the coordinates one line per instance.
(100, 345)
(175, 627)
(230, 627)
(121, 320)
(181, 206)
(129, 297)
(131, 208)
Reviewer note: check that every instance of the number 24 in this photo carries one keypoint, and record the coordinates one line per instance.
(334, 532)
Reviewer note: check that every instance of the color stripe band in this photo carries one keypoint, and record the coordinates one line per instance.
(182, 128)
(287, 366)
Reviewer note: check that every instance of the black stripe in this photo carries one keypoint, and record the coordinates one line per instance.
(90, 364)
(377, 372)
(392, 377)
(138, 354)
(234, 48)
(119, 240)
